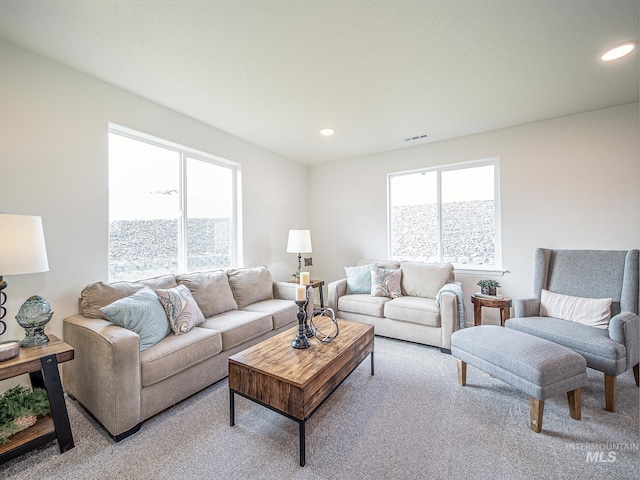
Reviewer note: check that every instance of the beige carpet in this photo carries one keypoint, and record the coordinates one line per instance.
(409, 421)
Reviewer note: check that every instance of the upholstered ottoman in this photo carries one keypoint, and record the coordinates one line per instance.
(535, 366)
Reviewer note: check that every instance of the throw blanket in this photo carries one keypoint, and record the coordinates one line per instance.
(456, 289)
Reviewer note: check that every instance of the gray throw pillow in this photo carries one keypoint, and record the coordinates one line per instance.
(141, 313)
(359, 278)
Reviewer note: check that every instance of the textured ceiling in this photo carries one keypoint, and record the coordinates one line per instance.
(275, 72)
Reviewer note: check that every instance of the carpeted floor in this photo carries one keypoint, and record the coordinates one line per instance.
(410, 421)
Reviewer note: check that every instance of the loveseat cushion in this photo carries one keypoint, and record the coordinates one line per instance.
(250, 285)
(238, 326)
(425, 279)
(99, 294)
(363, 303)
(422, 311)
(210, 290)
(281, 311)
(176, 353)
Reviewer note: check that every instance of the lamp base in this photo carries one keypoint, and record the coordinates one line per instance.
(34, 336)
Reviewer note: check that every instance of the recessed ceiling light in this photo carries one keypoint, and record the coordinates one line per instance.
(327, 131)
(618, 51)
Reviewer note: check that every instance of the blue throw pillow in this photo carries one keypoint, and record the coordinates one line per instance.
(142, 313)
(359, 278)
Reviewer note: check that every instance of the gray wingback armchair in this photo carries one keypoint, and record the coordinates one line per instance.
(588, 274)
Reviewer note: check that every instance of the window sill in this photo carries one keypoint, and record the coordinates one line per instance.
(479, 270)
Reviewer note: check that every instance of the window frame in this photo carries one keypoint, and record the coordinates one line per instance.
(497, 267)
(184, 153)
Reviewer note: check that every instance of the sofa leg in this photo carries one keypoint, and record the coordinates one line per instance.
(445, 350)
(575, 403)
(536, 410)
(610, 392)
(128, 433)
(462, 373)
(635, 373)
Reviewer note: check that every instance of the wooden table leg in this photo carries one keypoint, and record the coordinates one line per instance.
(505, 314)
(477, 314)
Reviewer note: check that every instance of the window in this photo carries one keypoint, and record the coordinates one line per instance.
(446, 214)
(171, 209)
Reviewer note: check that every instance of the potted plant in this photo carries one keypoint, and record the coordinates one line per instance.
(19, 409)
(296, 276)
(488, 287)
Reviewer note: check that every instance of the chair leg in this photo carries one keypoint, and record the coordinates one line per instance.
(575, 403)
(536, 409)
(610, 392)
(635, 373)
(462, 373)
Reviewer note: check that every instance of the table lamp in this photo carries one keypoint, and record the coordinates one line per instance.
(22, 250)
(299, 242)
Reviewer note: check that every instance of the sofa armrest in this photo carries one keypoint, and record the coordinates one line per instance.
(287, 291)
(526, 307)
(625, 328)
(448, 318)
(336, 290)
(105, 374)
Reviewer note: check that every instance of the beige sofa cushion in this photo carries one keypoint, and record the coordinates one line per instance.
(97, 295)
(425, 279)
(362, 303)
(282, 311)
(210, 290)
(176, 353)
(422, 311)
(238, 326)
(250, 285)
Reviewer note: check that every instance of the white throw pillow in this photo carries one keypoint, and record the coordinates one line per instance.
(595, 312)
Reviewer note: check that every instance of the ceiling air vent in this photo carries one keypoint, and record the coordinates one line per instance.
(416, 137)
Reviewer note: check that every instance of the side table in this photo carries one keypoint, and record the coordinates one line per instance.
(479, 301)
(41, 363)
(319, 284)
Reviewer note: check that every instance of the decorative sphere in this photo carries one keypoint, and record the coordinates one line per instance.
(35, 311)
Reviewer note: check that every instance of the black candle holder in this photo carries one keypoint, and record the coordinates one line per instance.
(301, 340)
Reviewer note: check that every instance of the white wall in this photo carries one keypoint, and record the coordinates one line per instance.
(53, 163)
(572, 182)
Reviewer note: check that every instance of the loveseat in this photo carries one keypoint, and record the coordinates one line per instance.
(121, 386)
(426, 307)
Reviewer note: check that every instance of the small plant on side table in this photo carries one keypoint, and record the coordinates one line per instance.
(19, 408)
(488, 287)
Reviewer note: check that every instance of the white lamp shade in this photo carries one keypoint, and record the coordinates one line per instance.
(22, 247)
(299, 241)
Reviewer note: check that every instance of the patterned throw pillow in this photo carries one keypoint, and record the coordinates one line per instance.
(386, 283)
(182, 310)
(140, 313)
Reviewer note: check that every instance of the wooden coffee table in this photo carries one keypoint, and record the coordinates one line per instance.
(296, 382)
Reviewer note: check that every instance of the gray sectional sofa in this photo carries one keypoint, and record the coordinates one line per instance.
(121, 386)
(430, 309)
